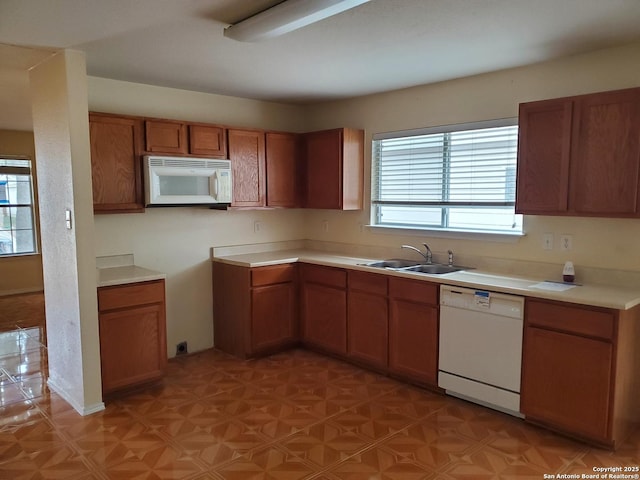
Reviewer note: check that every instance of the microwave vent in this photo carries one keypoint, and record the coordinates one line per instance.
(181, 162)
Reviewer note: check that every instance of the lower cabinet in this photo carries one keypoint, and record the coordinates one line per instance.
(324, 308)
(254, 309)
(367, 319)
(133, 345)
(578, 370)
(413, 330)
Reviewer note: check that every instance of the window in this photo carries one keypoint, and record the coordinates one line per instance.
(455, 178)
(17, 225)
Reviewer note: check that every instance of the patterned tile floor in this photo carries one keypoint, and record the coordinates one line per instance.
(291, 416)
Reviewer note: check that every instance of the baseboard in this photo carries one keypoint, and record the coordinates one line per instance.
(83, 410)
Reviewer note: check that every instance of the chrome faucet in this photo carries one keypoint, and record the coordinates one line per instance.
(427, 256)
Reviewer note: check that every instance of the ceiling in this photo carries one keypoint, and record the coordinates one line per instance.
(378, 46)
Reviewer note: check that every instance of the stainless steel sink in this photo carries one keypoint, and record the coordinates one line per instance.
(392, 263)
(433, 268)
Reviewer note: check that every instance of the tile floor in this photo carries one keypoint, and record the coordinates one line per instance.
(290, 416)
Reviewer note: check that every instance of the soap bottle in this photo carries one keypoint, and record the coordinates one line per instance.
(568, 272)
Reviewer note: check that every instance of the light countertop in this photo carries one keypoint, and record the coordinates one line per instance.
(126, 274)
(598, 295)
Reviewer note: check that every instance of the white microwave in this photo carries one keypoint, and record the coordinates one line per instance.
(173, 181)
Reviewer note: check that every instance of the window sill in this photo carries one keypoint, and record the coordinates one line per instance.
(454, 234)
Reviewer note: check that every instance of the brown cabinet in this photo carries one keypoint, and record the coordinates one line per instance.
(247, 155)
(116, 165)
(413, 330)
(577, 370)
(324, 308)
(166, 136)
(254, 309)
(133, 345)
(367, 319)
(605, 166)
(580, 155)
(283, 158)
(544, 151)
(334, 169)
(207, 140)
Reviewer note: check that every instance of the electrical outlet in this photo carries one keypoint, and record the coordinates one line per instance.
(547, 241)
(181, 348)
(257, 226)
(566, 242)
(325, 226)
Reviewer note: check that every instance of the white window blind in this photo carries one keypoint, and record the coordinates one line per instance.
(454, 179)
(17, 225)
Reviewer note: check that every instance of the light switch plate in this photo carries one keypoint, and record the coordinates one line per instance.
(67, 217)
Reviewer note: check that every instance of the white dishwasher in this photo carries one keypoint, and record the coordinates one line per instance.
(480, 350)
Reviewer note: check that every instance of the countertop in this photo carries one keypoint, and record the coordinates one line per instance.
(126, 274)
(598, 295)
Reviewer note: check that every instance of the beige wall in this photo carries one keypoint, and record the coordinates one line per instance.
(606, 243)
(177, 241)
(21, 273)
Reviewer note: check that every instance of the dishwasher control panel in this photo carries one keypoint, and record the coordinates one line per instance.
(482, 301)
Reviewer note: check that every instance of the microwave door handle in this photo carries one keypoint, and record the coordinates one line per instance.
(214, 185)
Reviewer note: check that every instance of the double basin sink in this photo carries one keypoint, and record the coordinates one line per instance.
(413, 266)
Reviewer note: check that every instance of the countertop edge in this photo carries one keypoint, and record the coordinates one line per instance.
(124, 275)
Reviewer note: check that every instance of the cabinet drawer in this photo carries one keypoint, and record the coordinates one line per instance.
(333, 277)
(413, 290)
(143, 293)
(571, 319)
(368, 282)
(272, 274)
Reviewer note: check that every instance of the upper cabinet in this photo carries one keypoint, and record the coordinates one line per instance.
(334, 169)
(207, 140)
(606, 157)
(166, 136)
(180, 138)
(247, 155)
(544, 150)
(283, 158)
(580, 155)
(116, 148)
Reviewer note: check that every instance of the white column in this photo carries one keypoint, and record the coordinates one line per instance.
(61, 133)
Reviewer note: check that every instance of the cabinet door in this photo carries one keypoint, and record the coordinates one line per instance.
(605, 164)
(324, 169)
(413, 340)
(324, 317)
(133, 346)
(247, 154)
(283, 169)
(273, 318)
(544, 150)
(368, 328)
(116, 145)
(208, 140)
(566, 381)
(165, 136)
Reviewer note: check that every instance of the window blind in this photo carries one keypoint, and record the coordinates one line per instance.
(457, 179)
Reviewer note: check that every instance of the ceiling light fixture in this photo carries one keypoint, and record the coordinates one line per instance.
(286, 17)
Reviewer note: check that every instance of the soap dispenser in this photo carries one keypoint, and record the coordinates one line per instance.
(568, 272)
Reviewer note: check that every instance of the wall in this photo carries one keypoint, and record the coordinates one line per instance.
(604, 243)
(61, 131)
(177, 241)
(21, 273)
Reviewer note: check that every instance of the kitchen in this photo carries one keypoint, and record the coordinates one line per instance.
(178, 241)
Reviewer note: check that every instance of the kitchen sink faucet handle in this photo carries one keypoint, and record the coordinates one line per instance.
(450, 252)
(429, 256)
